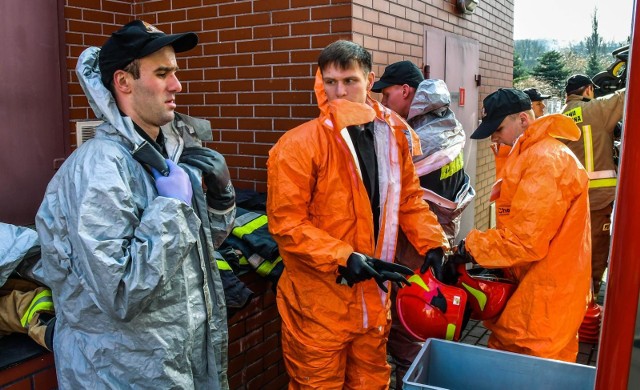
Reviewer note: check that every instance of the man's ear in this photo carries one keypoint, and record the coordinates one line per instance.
(406, 91)
(371, 77)
(122, 81)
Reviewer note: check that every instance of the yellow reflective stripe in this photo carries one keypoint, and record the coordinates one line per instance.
(477, 294)
(451, 331)
(451, 168)
(588, 148)
(243, 261)
(575, 114)
(418, 280)
(267, 266)
(223, 265)
(602, 183)
(41, 302)
(249, 227)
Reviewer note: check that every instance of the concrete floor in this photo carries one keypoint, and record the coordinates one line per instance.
(476, 334)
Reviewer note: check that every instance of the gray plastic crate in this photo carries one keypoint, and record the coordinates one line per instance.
(442, 364)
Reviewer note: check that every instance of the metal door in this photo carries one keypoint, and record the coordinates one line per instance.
(32, 109)
(455, 59)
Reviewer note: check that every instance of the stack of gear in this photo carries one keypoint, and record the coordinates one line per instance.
(589, 331)
(430, 308)
(236, 294)
(25, 306)
(250, 245)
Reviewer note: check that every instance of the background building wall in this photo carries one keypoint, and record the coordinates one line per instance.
(252, 74)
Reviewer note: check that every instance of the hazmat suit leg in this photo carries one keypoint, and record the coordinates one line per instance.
(358, 362)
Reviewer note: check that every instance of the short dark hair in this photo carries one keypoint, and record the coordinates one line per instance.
(578, 91)
(345, 54)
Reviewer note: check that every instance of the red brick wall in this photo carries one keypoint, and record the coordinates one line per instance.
(38, 373)
(394, 30)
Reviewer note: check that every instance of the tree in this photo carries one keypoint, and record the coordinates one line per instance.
(551, 69)
(518, 68)
(594, 44)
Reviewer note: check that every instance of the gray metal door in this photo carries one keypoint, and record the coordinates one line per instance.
(455, 59)
(32, 104)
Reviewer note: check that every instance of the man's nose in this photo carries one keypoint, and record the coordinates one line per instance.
(341, 89)
(384, 101)
(494, 137)
(174, 84)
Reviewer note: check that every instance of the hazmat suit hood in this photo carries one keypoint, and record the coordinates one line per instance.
(100, 98)
(441, 134)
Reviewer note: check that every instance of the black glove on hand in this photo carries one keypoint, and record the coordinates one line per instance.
(220, 192)
(435, 260)
(361, 267)
(461, 256)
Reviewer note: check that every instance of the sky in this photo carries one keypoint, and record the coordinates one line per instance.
(570, 20)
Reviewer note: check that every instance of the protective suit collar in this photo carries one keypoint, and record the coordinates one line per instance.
(100, 98)
(555, 125)
(341, 112)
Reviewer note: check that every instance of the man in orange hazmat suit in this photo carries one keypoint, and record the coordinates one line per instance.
(543, 230)
(340, 187)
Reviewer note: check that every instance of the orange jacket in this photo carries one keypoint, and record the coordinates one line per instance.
(543, 237)
(319, 213)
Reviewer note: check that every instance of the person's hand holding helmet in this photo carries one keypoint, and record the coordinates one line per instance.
(220, 192)
(461, 255)
(434, 259)
(361, 267)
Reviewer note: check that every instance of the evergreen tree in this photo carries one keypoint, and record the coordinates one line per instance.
(518, 68)
(551, 69)
(594, 44)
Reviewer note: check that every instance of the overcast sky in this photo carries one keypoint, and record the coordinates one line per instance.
(570, 20)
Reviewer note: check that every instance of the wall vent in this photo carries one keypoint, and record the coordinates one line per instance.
(85, 130)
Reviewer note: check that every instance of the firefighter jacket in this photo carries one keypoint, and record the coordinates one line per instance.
(138, 295)
(597, 119)
(319, 213)
(543, 237)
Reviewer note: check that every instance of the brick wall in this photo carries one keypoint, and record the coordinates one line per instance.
(394, 30)
(37, 373)
(252, 74)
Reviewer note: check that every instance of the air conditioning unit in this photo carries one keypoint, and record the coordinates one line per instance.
(85, 130)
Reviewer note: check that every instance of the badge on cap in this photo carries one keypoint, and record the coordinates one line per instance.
(151, 28)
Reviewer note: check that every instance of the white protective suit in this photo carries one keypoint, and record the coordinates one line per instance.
(136, 288)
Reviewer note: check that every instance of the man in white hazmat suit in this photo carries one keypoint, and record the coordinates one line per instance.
(128, 254)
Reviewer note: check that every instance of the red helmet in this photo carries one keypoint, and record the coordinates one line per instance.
(487, 293)
(430, 309)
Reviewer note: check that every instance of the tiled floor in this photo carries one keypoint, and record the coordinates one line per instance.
(476, 334)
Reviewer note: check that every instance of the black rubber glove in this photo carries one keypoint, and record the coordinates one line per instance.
(460, 255)
(220, 192)
(361, 267)
(435, 260)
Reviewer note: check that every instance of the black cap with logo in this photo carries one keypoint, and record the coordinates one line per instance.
(497, 106)
(399, 73)
(135, 40)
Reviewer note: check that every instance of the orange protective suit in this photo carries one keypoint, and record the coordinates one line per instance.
(334, 336)
(543, 236)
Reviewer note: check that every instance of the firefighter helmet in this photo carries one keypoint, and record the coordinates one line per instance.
(431, 309)
(487, 292)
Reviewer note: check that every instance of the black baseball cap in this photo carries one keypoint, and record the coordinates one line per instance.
(399, 73)
(497, 106)
(135, 40)
(577, 81)
(535, 95)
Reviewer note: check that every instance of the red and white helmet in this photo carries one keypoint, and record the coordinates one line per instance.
(487, 293)
(431, 309)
